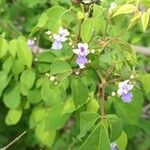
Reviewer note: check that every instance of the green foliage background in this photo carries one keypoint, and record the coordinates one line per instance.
(27, 102)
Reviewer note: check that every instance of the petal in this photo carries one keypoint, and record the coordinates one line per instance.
(31, 43)
(127, 97)
(120, 92)
(62, 39)
(80, 45)
(57, 45)
(81, 60)
(82, 66)
(125, 91)
(55, 36)
(86, 46)
(124, 83)
(120, 84)
(130, 87)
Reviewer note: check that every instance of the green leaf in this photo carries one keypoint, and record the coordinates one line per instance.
(27, 80)
(55, 120)
(12, 97)
(146, 82)
(32, 4)
(55, 15)
(52, 95)
(92, 140)
(79, 91)
(24, 53)
(131, 130)
(4, 80)
(45, 137)
(125, 110)
(7, 65)
(145, 20)
(125, 9)
(38, 114)
(69, 107)
(104, 142)
(115, 126)
(97, 11)
(13, 116)
(3, 47)
(122, 141)
(145, 125)
(60, 67)
(87, 120)
(92, 106)
(97, 140)
(87, 28)
(41, 23)
(18, 67)
(34, 96)
(47, 57)
(12, 47)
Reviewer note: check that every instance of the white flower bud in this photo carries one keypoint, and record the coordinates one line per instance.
(77, 72)
(70, 43)
(52, 78)
(92, 51)
(82, 66)
(113, 93)
(56, 83)
(48, 32)
(47, 74)
(132, 76)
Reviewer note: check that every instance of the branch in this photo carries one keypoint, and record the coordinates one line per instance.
(14, 141)
(141, 49)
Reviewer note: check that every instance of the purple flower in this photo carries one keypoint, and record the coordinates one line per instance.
(82, 49)
(60, 37)
(81, 61)
(127, 97)
(113, 146)
(57, 45)
(31, 43)
(34, 47)
(123, 91)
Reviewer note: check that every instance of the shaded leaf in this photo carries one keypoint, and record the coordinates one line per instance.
(125, 9)
(24, 53)
(12, 97)
(13, 116)
(87, 29)
(87, 120)
(145, 20)
(79, 91)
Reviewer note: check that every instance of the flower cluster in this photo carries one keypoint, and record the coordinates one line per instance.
(59, 38)
(124, 89)
(82, 51)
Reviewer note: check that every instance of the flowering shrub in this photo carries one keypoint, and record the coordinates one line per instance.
(82, 82)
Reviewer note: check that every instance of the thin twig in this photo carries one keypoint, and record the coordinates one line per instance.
(14, 141)
(102, 100)
(101, 88)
